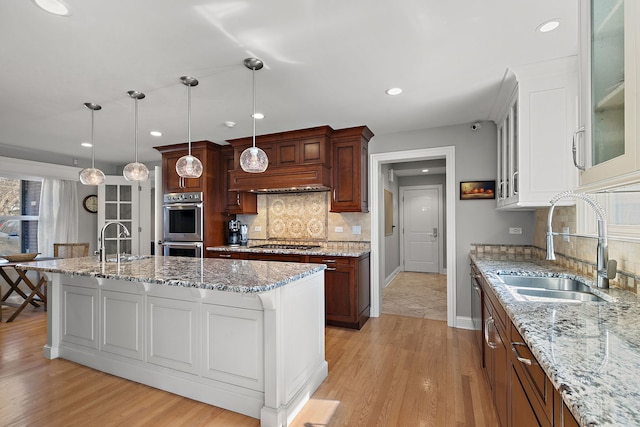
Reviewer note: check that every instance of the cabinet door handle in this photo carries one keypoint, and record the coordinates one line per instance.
(238, 198)
(574, 148)
(331, 269)
(328, 261)
(515, 183)
(224, 256)
(520, 358)
(486, 332)
(334, 194)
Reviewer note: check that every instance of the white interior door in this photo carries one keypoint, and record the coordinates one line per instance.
(420, 229)
(129, 203)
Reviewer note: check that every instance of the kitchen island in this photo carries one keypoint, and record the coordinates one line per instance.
(247, 336)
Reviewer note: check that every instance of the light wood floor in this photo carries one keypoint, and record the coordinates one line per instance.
(396, 371)
(416, 295)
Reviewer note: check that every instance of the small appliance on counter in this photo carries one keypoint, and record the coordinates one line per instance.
(233, 238)
(244, 231)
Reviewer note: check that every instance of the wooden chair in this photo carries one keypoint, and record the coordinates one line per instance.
(70, 250)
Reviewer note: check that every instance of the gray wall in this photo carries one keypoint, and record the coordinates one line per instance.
(476, 221)
(392, 242)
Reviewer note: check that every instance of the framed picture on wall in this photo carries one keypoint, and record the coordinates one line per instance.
(477, 190)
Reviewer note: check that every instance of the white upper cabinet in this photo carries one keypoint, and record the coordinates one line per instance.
(535, 116)
(606, 141)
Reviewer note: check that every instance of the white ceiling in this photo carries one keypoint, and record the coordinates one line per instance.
(327, 62)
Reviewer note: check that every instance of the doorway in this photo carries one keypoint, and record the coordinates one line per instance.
(377, 221)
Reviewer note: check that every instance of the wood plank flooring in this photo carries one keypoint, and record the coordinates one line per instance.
(396, 371)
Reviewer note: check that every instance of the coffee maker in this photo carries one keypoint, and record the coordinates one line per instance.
(234, 233)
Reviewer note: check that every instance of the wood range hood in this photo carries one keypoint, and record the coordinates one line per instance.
(283, 179)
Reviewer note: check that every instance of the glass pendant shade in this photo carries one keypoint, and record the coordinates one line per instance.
(92, 176)
(253, 159)
(189, 166)
(136, 171)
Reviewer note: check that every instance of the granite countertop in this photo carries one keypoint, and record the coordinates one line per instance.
(589, 350)
(216, 274)
(320, 251)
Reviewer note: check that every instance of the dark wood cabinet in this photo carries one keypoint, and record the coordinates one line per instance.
(495, 357)
(171, 181)
(276, 257)
(236, 202)
(346, 290)
(522, 392)
(350, 163)
(226, 255)
(562, 416)
(209, 183)
(527, 373)
(522, 411)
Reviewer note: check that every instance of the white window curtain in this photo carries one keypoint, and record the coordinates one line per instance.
(58, 217)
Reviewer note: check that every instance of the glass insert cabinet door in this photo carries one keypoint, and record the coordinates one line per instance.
(128, 203)
(607, 80)
(608, 88)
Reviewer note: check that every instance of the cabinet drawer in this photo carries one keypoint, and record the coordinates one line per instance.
(535, 381)
(227, 255)
(332, 261)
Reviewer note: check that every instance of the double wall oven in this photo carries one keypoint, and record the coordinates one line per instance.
(182, 226)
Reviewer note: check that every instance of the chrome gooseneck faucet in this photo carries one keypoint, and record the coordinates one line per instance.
(606, 269)
(125, 230)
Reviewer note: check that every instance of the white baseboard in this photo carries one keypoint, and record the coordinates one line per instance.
(464, 322)
(392, 276)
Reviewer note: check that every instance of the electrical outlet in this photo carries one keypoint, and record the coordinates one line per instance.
(356, 229)
(338, 230)
(565, 238)
(257, 228)
(515, 230)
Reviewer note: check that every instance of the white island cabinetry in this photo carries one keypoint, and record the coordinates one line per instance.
(259, 353)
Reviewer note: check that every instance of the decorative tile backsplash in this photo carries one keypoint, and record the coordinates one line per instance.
(305, 217)
(297, 216)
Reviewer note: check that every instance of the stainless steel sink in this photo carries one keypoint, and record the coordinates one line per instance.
(558, 288)
(565, 295)
(557, 283)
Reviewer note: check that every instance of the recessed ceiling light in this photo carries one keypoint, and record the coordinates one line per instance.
(425, 170)
(394, 91)
(258, 116)
(55, 7)
(86, 144)
(155, 133)
(230, 124)
(551, 25)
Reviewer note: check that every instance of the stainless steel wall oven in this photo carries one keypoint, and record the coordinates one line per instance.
(182, 227)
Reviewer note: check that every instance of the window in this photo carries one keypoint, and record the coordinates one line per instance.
(623, 214)
(19, 208)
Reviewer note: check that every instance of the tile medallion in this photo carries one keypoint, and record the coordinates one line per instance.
(298, 216)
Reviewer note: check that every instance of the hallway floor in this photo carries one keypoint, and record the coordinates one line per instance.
(412, 294)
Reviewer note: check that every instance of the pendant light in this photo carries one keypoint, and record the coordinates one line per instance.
(136, 171)
(92, 176)
(189, 166)
(253, 159)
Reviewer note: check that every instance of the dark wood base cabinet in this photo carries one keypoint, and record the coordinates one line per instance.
(347, 284)
(522, 392)
(346, 290)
